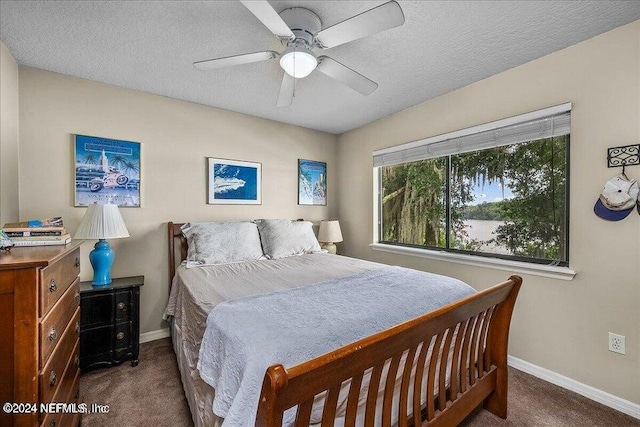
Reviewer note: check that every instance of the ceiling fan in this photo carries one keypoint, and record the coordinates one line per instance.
(301, 31)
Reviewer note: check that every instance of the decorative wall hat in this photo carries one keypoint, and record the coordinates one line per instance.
(618, 198)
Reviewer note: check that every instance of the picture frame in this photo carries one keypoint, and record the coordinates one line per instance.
(233, 182)
(312, 183)
(106, 171)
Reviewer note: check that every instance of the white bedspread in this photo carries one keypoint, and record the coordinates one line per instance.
(245, 336)
(196, 291)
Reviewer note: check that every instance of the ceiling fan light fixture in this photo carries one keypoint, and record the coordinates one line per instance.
(298, 62)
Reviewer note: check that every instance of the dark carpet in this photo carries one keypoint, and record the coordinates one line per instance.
(151, 395)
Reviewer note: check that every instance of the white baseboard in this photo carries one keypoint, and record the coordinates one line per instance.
(607, 399)
(154, 335)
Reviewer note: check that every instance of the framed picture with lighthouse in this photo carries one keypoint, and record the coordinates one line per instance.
(106, 171)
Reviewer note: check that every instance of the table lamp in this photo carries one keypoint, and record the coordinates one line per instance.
(329, 234)
(102, 222)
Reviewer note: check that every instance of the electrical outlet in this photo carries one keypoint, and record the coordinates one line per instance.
(616, 343)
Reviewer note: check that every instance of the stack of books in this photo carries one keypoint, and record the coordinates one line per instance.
(46, 232)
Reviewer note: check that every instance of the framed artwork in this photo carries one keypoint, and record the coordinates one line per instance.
(234, 182)
(312, 182)
(106, 171)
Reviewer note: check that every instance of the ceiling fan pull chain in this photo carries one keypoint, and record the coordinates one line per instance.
(295, 85)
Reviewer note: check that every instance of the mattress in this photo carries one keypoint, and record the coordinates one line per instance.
(196, 291)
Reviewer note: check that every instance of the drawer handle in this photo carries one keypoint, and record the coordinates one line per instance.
(76, 360)
(77, 327)
(52, 423)
(53, 334)
(77, 264)
(77, 296)
(120, 306)
(52, 286)
(53, 378)
(120, 335)
(77, 395)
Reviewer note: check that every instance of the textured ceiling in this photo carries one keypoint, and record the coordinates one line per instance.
(150, 46)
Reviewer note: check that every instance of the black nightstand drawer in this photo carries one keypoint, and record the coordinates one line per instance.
(122, 336)
(123, 306)
(96, 346)
(98, 312)
(110, 323)
(96, 340)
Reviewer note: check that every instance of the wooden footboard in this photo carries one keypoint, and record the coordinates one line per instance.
(475, 330)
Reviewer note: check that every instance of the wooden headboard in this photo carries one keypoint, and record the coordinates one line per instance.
(175, 234)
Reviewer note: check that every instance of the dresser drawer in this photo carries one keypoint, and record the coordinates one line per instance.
(74, 393)
(65, 393)
(56, 278)
(65, 353)
(55, 322)
(74, 397)
(75, 422)
(52, 420)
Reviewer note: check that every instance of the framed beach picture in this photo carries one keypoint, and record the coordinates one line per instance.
(234, 182)
(106, 171)
(312, 182)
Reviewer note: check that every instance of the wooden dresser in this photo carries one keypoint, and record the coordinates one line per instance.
(40, 323)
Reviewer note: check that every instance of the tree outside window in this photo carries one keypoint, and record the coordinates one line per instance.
(508, 202)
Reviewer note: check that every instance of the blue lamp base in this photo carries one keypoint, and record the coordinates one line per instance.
(101, 258)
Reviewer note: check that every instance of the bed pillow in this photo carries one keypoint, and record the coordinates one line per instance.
(282, 238)
(213, 243)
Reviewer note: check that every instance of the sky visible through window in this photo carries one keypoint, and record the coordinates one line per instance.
(490, 192)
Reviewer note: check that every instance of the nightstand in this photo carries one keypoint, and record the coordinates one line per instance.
(110, 323)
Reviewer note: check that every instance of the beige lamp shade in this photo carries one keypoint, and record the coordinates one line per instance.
(330, 231)
(102, 222)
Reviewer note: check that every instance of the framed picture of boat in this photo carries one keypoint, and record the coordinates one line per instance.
(107, 171)
(234, 182)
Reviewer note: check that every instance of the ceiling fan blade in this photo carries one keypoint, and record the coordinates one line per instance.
(285, 97)
(269, 17)
(346, 75)
(230, 61)
(383, 17)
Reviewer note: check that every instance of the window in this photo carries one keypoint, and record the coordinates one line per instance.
(499, 192)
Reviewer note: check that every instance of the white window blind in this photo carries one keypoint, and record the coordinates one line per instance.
(551, 122)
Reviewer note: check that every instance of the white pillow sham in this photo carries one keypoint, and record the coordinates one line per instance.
(212, 243)
(282, 238)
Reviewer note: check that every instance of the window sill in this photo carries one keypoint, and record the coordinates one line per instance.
(516, 267)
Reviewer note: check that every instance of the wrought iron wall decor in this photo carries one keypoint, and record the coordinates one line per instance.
(628, 155)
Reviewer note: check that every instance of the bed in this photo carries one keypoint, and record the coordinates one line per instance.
(432, 368)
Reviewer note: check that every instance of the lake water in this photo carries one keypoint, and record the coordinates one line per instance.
(485, 231)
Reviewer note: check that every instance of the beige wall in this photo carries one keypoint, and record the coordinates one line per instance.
(9, 193)
(559, 325)
(176, 137)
